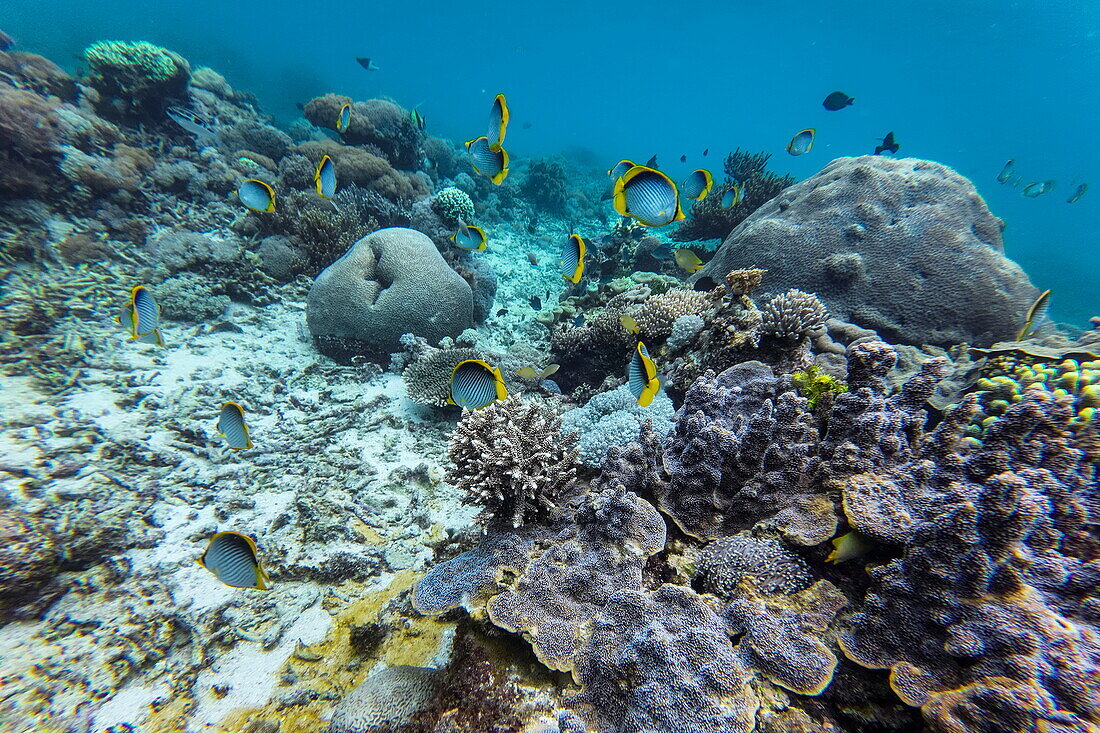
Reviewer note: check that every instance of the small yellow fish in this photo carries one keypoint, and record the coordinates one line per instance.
(629, 323)
(688, 260)
(527, 373)
(849, 546)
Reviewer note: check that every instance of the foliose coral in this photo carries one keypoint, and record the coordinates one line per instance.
(511, 459)
(615, 418)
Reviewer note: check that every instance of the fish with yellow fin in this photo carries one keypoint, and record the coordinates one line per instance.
(470, 237)
(688, 261)
(324, 179)
(648, 195)
(697, 185)
(1035, 312)
(628, 323)
(234, 560)
(802, 142)
(572, 258)
(733, 195)
(475, 384)
(493, 164)
(641, 376)
(529, 372)
(232, 427)
(848, 547)
(620, 168)
(343, 119)
(498, 122)
(141, 317)
(257, 195)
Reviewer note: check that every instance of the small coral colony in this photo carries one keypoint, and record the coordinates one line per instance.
(778, 481)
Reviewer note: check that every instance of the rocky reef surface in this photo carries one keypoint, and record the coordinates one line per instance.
(851, 506)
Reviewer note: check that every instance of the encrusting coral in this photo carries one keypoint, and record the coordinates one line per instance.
(511, 459)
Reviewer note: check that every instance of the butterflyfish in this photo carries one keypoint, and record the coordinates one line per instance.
(572, 258)
(343, 120)
(648, 195)
(141, 317)
(837, 101)
(194, 124)
(493, 164)
(1006, 171)
(232, 427)
(234, 560)
(733, 195)
(324, 178)
(620, 168)
(470, 237)
(498, 123)
(256, 195)
(688, 260)
(475, 384)
(802, 142)
(642, 376)
(697, 185)
(1035, 312)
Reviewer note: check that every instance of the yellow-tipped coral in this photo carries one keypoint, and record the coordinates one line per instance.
(813, 384)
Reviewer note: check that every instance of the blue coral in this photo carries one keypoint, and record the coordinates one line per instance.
(615, 418)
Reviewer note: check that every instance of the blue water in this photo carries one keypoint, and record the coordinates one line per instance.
(968, 84)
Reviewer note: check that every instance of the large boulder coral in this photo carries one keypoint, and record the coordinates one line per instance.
(906, 247)
(389, 283)
(379, 123)
(364, 169)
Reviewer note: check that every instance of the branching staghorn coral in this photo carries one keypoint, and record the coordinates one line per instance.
(511, 459)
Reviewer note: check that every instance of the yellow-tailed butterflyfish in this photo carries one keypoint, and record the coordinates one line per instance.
(498, 122)
(141, 317)
(802, 142)
(324, 178)
(343, 120)
(256, 195)
(620, 168)
(733, 195)
(469, 237)
(642, 376)
(648, 195)
(572, 258)
(475, 384)
(493, 164)
(232, 427)
(234, 560)
(697, 185)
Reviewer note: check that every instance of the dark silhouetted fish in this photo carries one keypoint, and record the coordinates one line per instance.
(366, 63)
(6, 42)
(1006, 171)
(536, 302)
(705, 152)
(1077, 193)
(683, 158)
(301, 107)
(837, 100)
(502, 311)
(888, 143)
(652, 162)
(526, 125)
(705, 284)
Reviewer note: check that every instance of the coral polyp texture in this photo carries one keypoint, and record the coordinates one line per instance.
(865, 497)
(919, 258)
(511, 459)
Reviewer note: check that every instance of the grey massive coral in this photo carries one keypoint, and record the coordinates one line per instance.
(918, 257)
(511, 459)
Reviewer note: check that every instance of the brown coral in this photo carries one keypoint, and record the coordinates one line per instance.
(28, 149)
(357, 166)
